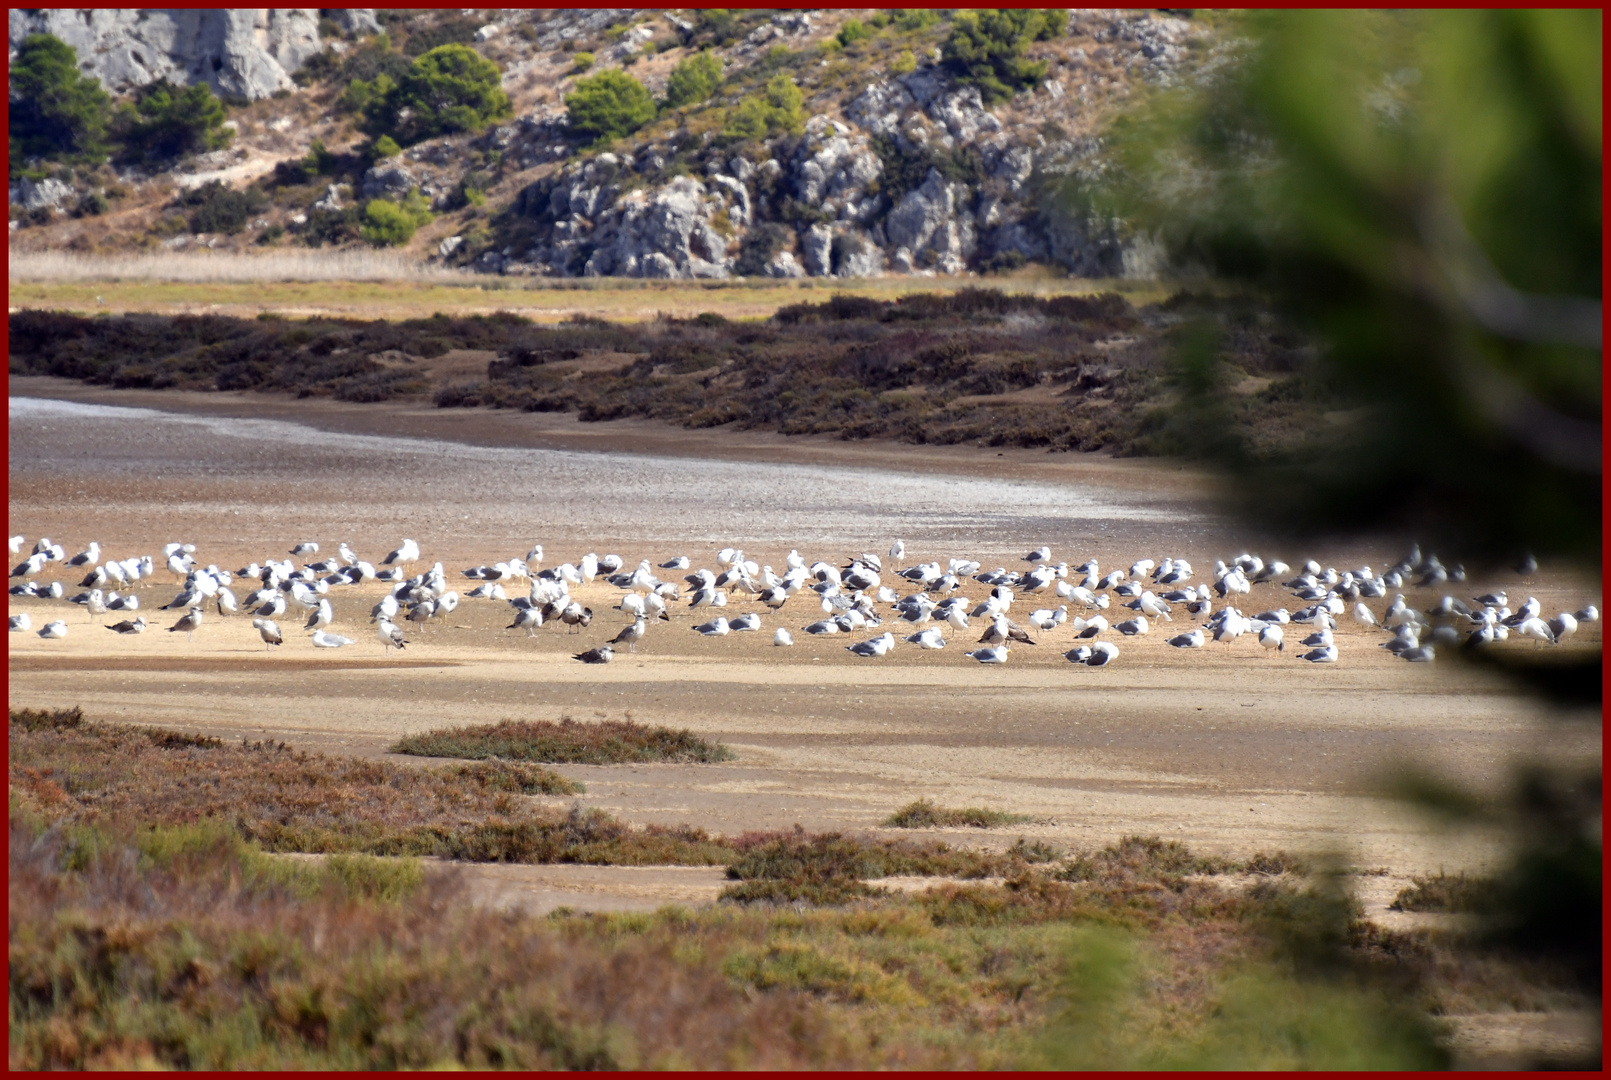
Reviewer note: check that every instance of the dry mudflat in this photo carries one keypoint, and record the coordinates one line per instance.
(1229, 748)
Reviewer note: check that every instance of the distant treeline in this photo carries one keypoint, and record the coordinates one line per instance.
(972, 366)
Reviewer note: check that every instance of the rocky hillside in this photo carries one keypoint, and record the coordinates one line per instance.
(880, 153)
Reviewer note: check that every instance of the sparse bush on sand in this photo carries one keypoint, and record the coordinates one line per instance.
(568, 742)
(924, 814)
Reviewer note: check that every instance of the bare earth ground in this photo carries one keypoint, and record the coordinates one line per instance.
(1229, 749)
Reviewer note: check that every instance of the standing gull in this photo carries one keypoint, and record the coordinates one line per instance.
(188, 624)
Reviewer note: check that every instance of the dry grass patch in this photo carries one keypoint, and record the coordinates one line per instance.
(568, 742)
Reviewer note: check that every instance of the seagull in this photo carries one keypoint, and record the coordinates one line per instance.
(1193, 640)
(21, 622)
(601, 655)
(1537, 629)
(1078, 655)
(1102, 654)
(530, 618)
(1132, 627)
(994, 655)
(629, 635)
(1045, 618)
(1327, 655)
(752, 621)
(1589, 614)
(323, 640)
(825, 626)
(389, 634)
(877, 646)
(1095, 626)
(1271, 638)
(1421, 654)
(57, 629)
(576, 616)
(410, 552)
(717, 627)
(269, 631)
(1562, 626)
(897, 552)
(1001, 631)
(188, 624)
(136, 626)
(227, 604)
(306, 547)
(1362, 615)
(323, 615)
(679, 563)
(928, 639)
(1039, 555)
(1321, 638)
(782, 637)
(1148, 604)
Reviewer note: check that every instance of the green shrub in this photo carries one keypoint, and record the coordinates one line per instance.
(385, 147)
(457, 30)
(219, 209)
(165, 122)
(609, 105)
(903, 64)
(775, 111)
(582, 61)
(985, 48)
(719, 25)
(270, 234)
(450, 89)
(389, 224)
(54, 111)
(693, 80)
(914, 19)
(851, 32)
(361, 96)
(93, 204)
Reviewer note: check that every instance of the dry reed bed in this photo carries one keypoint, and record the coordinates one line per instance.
(356, 265)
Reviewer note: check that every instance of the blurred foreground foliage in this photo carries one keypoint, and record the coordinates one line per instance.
(1418, 193)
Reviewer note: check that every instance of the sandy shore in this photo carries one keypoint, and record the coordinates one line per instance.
(1232, 749)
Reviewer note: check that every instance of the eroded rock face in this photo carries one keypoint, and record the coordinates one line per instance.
(37, 195)
(355, 21)
(822, 205)
(388, 178)
(931, 223)
(664, 233)
(239, 52)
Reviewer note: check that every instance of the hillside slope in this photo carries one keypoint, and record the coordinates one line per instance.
(893, 163)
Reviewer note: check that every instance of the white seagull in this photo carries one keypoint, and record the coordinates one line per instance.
(390, 635)
(269, 631)
(877, 646)
(323, 640)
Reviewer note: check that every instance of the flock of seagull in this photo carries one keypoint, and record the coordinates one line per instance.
(855, 597)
